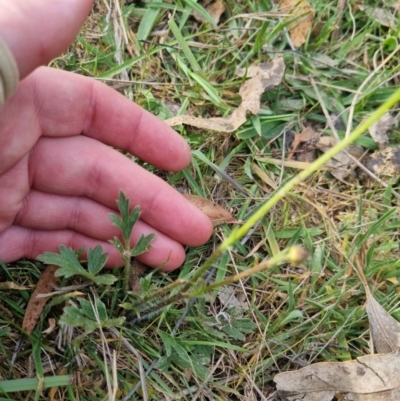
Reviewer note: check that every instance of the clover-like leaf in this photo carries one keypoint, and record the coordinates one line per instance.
(96, 259)
(143, 245)
(66, 259)
(90, 316)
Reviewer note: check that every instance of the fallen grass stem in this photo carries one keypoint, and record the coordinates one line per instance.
(282, 257)
(238, 233)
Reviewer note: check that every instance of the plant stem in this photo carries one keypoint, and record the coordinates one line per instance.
(127, 270)
(238, 233)
(159, 293)
(281, 257)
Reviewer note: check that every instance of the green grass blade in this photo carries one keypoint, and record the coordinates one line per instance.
(185, 48)
(197, 7)
(12, 386)
(147, 23)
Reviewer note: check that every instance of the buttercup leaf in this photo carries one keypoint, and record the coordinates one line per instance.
(96, 259)
(143, 245)
(67, 260)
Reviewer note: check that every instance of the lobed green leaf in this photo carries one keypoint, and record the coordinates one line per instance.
(143, 245)
(96, 259)
(67, 260)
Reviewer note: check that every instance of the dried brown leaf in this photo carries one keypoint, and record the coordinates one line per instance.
(329, 141)
(263, 77)
(45, 285)
(326, 142)
(307, 137)
(137, 269)
(390, 395)
(382, 16)
(264, 176)
(339, 168)
(341, 164)
(379, 130)
(385, 330)
(52, 326)
(217, 214)
(298, 29)
(215, 9)
(362, 379)
(308, 156)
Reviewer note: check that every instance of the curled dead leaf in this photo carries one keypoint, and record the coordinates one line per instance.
(299, 28)
(45, 285)
(342, 163)
(263, 77)
(217, 214)
(215, 9)
(307, 139)
(52, 326)
(379, 130)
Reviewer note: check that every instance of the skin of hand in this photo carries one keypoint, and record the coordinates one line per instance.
(59, 175)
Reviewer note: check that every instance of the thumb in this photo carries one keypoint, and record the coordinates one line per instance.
(36, 31)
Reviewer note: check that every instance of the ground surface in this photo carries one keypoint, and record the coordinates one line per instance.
(280, 319)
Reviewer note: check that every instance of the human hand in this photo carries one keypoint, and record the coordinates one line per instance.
(58, 178)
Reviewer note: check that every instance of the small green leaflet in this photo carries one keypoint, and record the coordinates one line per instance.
(85, 316)
(143, 245)
(70, 265)
(127, 220)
